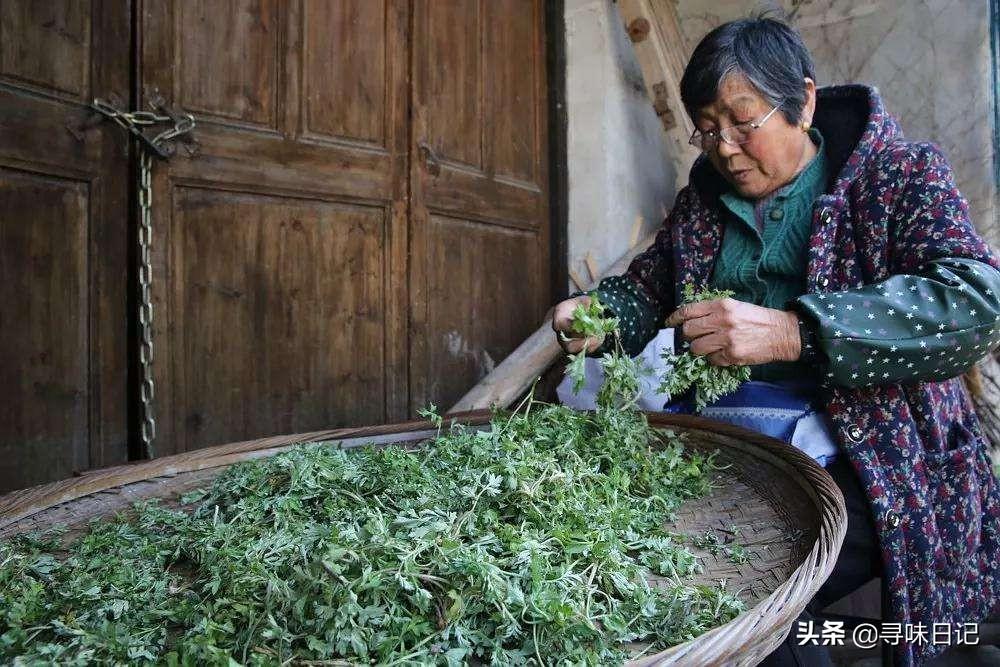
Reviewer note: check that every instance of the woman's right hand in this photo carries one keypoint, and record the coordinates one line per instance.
(562, 323)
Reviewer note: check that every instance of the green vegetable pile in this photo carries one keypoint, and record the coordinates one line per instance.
(528, 542)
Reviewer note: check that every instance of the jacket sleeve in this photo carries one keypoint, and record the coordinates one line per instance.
(937, 313)
(643, 296)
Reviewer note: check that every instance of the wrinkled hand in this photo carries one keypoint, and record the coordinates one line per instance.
(732, 332)
(562, 321)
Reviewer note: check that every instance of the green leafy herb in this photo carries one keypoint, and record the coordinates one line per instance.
(621, 386)
(528, 541)
(727, 545)
(430, 413)
(710, 382)
(590, 322)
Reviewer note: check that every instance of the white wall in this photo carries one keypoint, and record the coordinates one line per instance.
(617, 170)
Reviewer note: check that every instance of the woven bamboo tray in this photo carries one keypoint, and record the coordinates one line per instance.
(789, 512)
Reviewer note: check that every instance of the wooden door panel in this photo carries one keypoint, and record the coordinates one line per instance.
(307, 134)
(479, 197)
(43, 325)
(63, 214)
(450, 55)
(481, 107)
(309, 167)
(478, 321)
(345, 74)
(280, 247)
(281, 299)
(479, 190)
(47, 45)
(227, 60)
(516, 96)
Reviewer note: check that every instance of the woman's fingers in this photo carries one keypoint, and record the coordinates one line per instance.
(697, 327)
(574, 345)
(719, 359)
(693, 310)
(562, 324)
(730, 332)
(716, 348)
(562, 317)
(571, 345)
(709, 343)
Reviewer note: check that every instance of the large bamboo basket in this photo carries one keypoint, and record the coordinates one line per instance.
(789, 512)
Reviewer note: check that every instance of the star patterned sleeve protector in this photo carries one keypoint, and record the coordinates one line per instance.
(928, 326)
(938, 311)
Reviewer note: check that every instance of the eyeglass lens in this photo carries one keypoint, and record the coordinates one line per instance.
(736, 134)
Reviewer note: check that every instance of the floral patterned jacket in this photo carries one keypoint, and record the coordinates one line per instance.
(901, 296)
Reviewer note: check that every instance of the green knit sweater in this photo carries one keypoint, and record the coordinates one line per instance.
(765, 246)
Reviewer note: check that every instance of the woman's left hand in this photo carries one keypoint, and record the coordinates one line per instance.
(735, 332)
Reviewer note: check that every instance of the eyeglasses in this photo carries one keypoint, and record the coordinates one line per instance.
(734, 134)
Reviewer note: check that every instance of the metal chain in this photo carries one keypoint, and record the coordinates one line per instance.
(145, 299)
(179, 124)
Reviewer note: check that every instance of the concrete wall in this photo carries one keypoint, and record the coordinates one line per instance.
(617, 169)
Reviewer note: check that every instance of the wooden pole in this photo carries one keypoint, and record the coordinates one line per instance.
(661, 51)
(515, 374)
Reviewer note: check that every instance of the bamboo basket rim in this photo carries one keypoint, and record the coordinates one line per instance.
(745, 640)
(754, 634)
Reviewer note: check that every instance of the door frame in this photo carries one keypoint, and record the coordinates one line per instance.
(555, 55)
(994, 14)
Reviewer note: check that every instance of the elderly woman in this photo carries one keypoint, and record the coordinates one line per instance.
(862, 293)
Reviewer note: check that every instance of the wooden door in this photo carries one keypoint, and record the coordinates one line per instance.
(62, 240)
(280, 248)
(362, 231)
(479, 225)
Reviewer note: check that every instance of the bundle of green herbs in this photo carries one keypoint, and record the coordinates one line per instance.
(622, 373)
(687, 369)
(620, 388)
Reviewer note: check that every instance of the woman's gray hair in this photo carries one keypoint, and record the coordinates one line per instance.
(768, 52)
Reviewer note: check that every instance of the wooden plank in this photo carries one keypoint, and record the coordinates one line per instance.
(661, 50)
